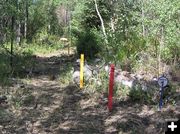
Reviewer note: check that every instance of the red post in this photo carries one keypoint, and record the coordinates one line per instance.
(111, 84)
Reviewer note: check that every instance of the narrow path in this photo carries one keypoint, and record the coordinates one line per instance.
(43, 104)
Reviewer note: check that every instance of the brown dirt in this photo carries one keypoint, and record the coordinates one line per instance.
(41, 105)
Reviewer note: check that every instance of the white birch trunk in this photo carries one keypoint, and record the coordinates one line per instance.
(102, 22)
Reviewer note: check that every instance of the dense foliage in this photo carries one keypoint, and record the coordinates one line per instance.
(122, 31)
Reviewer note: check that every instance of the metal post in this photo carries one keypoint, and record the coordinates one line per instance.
(162, 81)
(161, 96)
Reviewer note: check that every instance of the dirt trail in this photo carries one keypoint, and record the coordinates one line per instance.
(45, 105)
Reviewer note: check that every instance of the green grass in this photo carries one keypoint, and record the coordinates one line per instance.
(67, 75)
(41, 49)
(23, 59)
(4, 67)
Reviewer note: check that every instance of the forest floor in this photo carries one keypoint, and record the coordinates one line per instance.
(44, 103)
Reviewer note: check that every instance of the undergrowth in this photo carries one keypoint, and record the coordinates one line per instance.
(22, 58)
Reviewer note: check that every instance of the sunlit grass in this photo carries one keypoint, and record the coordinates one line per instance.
(22, 57)
(41, 49)
(67, 76)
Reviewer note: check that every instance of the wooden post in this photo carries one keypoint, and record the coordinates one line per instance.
(81, 70)
(111, 84)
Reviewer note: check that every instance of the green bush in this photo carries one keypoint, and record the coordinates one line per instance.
(88, 44)
(139, 95)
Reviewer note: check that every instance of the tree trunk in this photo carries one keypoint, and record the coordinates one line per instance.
(12, 39)
(26, 19)
(102, 22)
(18, 33)
(25, 28)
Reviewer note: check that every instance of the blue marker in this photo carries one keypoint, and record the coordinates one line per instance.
(162, 81)
(161, 98)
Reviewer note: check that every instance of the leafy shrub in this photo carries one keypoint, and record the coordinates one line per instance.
(87, 44)
(4, 67)
(140, 96)
(121, 92)
(90, 17)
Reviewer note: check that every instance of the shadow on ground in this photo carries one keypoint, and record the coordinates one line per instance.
(69, 110)
(74, 117)
(27, 65)
(44, 106)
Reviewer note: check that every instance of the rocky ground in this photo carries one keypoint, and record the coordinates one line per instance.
(43, 103)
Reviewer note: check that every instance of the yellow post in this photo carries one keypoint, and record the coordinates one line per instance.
(81, 70)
